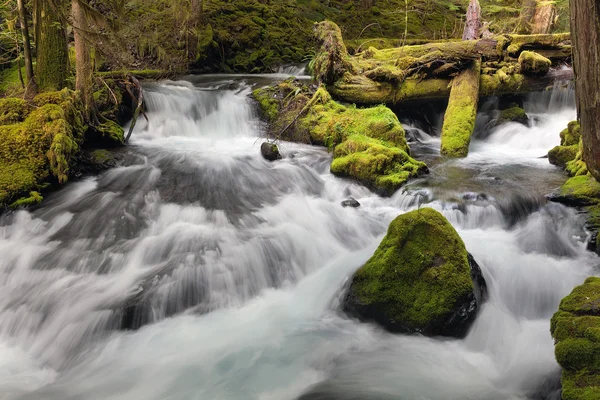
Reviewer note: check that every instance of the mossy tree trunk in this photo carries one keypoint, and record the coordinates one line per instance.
(31, 85)
(83, 64)
(51, 43)
(585, 34)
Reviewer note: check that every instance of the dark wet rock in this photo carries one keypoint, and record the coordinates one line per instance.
(518, 207)
(421, 279)
(93, 162)
(270, 151)
(350, 202)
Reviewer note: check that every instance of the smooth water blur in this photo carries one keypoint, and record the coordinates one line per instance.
(198, 270)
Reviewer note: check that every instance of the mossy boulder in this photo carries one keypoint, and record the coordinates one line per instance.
(369, 143)
(270, 151)
(578, 191)
(532, 63)
(375, 163)
(514, 113)
(575, 328)
(561, 155)
(421, 279)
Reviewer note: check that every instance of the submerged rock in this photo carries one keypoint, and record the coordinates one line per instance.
(270, 151)
(421, 279)
(350, 202)
(576, 331)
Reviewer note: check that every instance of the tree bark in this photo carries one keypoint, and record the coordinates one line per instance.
(473, 24)
(585, 30)
(52, 53)
(83, 64)
(31, 85)
(543, 19)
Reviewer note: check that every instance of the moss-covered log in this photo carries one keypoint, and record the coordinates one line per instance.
(362, 90)
(459, 119)
(423, 72)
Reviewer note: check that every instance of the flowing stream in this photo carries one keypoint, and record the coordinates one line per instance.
(198, 270)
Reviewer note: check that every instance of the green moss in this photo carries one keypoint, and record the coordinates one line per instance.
(571, 135)
(532, 63)
(52, 53)
(37, 150)
(561, 155)
(110, 134)
(583, 190)
(33, 199)
(13, 110)
(513, 114)
(459, 120)
(375, 163)
(371, 143)
(101, 156)
(576, 331)
(419, 273)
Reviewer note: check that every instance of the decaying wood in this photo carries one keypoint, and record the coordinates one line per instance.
(473, 24)
(543, 18)
(140, 103)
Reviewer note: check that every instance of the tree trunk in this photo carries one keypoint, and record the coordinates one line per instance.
(527, 12)
(473, 24)
(585, 30)
(31, 86)
(543, 19)
(52, 53)
(83, 64)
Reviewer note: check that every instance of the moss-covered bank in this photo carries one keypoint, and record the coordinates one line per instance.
(37, 147)
(368, 144)
(420, 279)
(576, 331)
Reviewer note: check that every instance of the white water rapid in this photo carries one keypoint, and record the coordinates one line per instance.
(198, 270)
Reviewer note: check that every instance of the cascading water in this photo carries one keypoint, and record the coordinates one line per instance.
(249, 260)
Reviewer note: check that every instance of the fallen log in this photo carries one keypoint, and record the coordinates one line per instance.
(362, 90)
(460, 115)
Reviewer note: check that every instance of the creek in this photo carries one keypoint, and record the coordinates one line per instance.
(198, 270)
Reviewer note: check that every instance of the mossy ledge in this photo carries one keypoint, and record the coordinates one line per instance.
(575, 328)
(368, 144)
(420, 280)
(40, 144)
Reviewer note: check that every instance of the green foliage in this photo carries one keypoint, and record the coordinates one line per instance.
(419, 274)
(576, 331)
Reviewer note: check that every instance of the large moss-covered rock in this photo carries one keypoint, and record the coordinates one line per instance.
(370, 143)
(420, 279)
(567, 154)
(375, 163)
(576, 331)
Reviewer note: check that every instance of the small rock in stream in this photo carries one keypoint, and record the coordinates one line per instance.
(270, 151)
(350, 202)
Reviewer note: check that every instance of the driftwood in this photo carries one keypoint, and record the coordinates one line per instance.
(140, 102)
